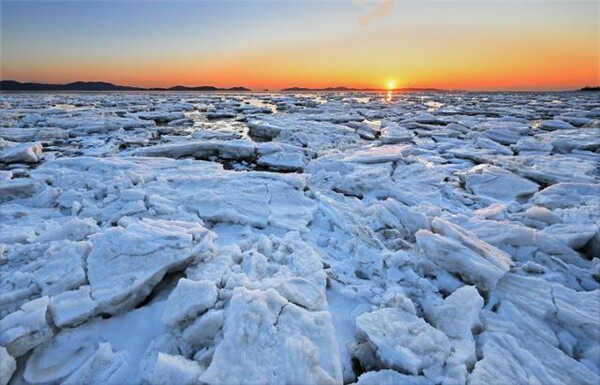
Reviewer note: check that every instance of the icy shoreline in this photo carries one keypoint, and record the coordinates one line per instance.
(443, 238)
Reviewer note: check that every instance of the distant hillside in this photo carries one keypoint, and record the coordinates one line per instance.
(588, 88)
(348, 89)
(12, 85)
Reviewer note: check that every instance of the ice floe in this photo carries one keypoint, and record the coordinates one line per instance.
(281, 238)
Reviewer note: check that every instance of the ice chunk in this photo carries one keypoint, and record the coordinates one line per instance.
(570, 141)
(551, 169)
(496, 183)
(58, 358)
(565, 195)
(408, 218)
(72, 307)
(542, 214)
(503, 234)
(257, 199)
(8, 365)
(44, 134)
(506, 361)
(274, 341)
(470, 240)
(529, 145)
(575, 235)
(459, 313)
(20, 153)
(425, 118)
(171, 369)
(204, 328)
(127, 262)
(302, 292)
(263, 129)
(302, 132)
(502, 132)
(282, 156)
(128, 334)
(104, 367)
(17, 189)
(233, 149)
(555, 124)
(459, 251)
(391, 377)
(495, 211)
(161, 116)
(418, 181)
(27, 328)
(283, 161)
(576, 312)
(366, 130)
(64, 268)
(392, 133)
(189, 299)
(75, 230)
(220, 114)
(378, 154)
(404, 341)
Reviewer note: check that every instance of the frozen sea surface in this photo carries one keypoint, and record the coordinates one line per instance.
(444, 238)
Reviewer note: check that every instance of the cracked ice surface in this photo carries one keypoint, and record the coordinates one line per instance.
(443, 238)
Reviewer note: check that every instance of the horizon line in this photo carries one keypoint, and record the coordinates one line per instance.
(295, 88)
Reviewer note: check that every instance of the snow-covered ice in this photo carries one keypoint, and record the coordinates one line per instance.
(281, 238)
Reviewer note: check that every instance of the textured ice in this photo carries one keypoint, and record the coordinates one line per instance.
(502, 132)
(404, 341)
(20, 153)
(285, 157)
(459, 313)
(391, 377)
(496, 183)
(188, 299)
(104, 367)
(555, 124)
(280, 238)
(70, 308)
(274, 341)
(538, 306)
(26, 328)
(8, 365)
(461, 252)
(392, 133)
(233, 149)
(126, 262)
(175, 370)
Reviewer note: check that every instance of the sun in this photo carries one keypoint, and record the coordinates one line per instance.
(390, 85)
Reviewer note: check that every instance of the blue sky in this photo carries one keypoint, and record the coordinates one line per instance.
(461, 44)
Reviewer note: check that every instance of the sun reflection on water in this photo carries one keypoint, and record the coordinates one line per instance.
(389, 96)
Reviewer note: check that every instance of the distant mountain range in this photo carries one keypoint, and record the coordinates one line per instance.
(12, 85)
(347, 89)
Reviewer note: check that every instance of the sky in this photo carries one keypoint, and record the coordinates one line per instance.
(471, 45)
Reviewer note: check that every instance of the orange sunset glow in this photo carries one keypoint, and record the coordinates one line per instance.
(487, 45)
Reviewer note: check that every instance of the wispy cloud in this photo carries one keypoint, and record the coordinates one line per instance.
(374, 10)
